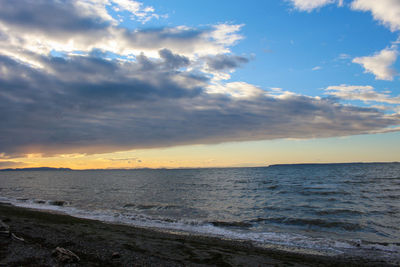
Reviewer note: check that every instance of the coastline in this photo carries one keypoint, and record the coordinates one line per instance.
(98, 243)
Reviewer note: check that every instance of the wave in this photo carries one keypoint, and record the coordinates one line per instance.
(324, 193)
(391, 197)
(59, 203)
(338, 211)
(231, 224)
(272, 187)
(311, 222)
(150, 206)
(319, 186)
(373, 180)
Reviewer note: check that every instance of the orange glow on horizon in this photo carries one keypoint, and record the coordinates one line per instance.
(362, 148)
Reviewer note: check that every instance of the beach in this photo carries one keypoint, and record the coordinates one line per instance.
(36, 234)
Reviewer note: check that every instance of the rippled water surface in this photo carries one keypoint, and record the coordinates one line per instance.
(343, 205)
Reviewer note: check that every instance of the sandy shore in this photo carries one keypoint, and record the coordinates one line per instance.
(102, 244)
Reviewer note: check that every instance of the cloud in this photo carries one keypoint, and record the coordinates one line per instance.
(62, 14)
(11, 164)
(123, 159)
(173, 61)
(84, 13)
(385, 11)
(87, 25)
(364, 93)
(316, 68)
(235, 90)
(310, 5)
(225, 62)
(136, 9)
(123, 105)
(380, 64)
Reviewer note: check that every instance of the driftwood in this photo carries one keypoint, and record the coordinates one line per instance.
(65, 256)
(13, 236)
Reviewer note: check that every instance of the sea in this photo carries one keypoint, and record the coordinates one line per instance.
(328, 209)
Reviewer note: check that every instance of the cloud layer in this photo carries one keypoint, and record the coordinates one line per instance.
(82, 84)
(92, 105)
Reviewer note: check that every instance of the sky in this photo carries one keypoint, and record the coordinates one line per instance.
(167, 84)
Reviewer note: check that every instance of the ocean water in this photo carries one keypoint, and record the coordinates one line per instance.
(331, 209)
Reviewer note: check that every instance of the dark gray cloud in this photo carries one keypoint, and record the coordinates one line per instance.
(173, 61)
(224, 62)
(92, 105)
(49, 16)
(154, 36)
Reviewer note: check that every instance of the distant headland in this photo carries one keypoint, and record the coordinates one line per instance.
(37, 169)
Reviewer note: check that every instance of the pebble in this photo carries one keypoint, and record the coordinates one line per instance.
(115, 255)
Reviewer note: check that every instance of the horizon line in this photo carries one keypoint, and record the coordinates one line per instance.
(185, 168)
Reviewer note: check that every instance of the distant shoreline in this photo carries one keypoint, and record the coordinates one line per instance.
(189, 168)
(340, 163)
(37, 169)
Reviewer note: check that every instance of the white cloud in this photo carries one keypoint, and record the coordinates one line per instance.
(98, 8)
(138, 11)
(279, 93)
(226, 34)
(316, 68)
(310, 5)
(380, 64)
(385, 11)
(364, 93)
(236, 89)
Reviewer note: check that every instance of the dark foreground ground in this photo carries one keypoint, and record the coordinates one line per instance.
(101, 244)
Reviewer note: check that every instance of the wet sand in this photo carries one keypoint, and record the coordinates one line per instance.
(103, 244)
